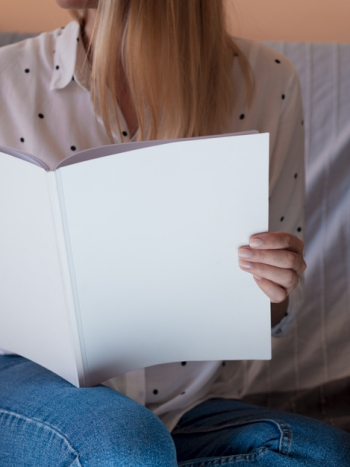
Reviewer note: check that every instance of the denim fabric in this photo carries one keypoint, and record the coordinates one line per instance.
(234, 433)
(47, 422)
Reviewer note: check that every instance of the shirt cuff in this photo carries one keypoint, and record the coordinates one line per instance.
(296, 299)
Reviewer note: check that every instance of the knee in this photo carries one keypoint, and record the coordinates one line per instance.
(143, 440)
(118, 431)
(96, 426)
(138, 441)
(88, 428)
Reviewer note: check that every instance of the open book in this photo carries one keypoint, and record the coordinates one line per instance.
(125, 256)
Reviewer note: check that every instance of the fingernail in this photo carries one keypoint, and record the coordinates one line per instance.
(245, 253)
(258, 278)
(255, 242)
(245, 264)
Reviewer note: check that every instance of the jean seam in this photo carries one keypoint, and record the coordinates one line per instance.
(46, 426)
(223, 460)
(286, 438)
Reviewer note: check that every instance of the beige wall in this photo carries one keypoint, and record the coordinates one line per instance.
(298, 20)
(291, 20)
(31, 15)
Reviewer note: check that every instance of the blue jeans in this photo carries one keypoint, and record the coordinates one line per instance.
(46, 422)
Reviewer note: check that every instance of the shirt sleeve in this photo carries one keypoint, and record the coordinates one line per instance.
(287, 183)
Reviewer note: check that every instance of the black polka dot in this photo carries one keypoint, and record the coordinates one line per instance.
(242, 117)
(57, 67)
(299, 229)
(155, 391)
(223, 363)
(183, 363)
(73, 78)
(125, 133)
(183, 392)
(54, 51)
(77, 39)
(22, 140)
(283, 96)
(282, 219)
(302, 122)
(27, 70)
(277, 61)
(73, 148)
(295, 175)
(41, 115)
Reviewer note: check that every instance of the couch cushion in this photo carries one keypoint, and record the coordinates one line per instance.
(7, 38)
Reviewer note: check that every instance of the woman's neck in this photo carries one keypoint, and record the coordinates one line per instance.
(89, 26)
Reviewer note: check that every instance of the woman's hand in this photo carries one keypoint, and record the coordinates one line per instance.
(275, 259)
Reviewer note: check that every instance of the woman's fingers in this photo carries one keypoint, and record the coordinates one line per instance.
(279, 258)
(275, 293)
(276, 241)
(275, 259)
(286, 278)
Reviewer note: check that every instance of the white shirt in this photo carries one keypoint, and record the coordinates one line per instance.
(46, 110)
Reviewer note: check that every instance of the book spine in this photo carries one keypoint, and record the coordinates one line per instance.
(67, 274)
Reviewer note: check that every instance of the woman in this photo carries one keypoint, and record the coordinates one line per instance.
(159, 69)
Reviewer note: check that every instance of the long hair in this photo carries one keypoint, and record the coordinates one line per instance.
(178, 60)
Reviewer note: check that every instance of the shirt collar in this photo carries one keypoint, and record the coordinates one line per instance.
(70, 59)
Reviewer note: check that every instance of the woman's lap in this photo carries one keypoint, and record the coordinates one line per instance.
(46, 421)
(230, 432)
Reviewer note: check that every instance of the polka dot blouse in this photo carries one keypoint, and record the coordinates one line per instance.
(46, 110)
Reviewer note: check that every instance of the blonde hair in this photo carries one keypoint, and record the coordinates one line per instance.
(178, 60)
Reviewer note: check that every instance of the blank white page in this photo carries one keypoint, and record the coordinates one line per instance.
(33, 309)
(153, 240)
